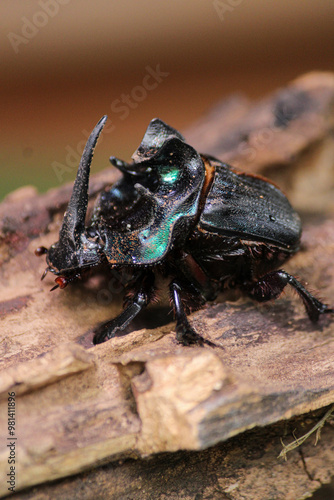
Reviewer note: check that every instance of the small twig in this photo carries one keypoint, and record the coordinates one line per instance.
(299, 441)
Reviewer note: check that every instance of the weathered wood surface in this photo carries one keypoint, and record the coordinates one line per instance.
(142, 394)
(244, 467)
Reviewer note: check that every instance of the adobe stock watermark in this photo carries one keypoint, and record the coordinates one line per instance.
(11, 443)
(261, 138)
(224, 7)
(114, 287)
(121, 107)
(31, 27)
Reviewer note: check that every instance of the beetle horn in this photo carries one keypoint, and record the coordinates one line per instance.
(74, 219)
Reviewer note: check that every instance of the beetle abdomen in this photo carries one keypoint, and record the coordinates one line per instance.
(250, 207)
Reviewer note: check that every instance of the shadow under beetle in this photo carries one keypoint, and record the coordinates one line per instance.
(187, 216)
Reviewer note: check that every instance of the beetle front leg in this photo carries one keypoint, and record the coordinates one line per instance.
(185, 333)
(141, 298)
(272, 284)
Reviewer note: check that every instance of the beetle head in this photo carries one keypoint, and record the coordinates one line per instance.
(75, 249)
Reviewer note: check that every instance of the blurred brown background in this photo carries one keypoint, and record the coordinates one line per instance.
(65, 63)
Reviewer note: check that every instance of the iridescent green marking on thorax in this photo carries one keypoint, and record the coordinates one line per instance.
(170, 174)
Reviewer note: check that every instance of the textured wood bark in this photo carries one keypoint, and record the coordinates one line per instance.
(244, 467)
(142, 394)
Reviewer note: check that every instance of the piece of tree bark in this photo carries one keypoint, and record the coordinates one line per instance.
(142, 394)
(243, 468)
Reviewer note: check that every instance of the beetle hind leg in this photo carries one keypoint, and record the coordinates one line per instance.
(185, 333)
(272, 284)
(134, 304)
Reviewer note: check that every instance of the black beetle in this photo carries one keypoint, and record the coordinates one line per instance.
(186, 216)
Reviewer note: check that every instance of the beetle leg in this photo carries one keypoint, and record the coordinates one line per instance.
(185, 333)
(272, 284)
(134, 305)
